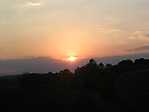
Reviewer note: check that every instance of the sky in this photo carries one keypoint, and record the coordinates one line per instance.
(84, 28)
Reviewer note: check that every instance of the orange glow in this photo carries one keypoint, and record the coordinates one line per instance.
(72, 58)
(71, 44)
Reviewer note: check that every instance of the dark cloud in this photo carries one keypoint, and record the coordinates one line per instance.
(138, 49)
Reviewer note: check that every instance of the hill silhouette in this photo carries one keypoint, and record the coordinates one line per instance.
(46, 64)
(93, 87)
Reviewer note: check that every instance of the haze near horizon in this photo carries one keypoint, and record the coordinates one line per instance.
(84, 28)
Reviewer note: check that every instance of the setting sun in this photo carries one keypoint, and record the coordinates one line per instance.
(72, 58)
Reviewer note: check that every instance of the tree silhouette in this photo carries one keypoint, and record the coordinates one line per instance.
(92, 87)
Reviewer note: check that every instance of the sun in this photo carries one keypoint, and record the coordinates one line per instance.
(72, 58)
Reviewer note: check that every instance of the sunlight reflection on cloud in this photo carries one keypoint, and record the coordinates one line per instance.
(33, 4)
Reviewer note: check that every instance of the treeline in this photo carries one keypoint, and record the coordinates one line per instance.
(92, 87)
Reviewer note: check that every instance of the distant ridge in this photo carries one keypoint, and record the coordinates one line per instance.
(45, 64)
(116, 59)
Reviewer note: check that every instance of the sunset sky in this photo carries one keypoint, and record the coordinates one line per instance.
(83, 28)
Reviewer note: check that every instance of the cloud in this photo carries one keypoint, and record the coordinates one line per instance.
(103, 29)
(33, 4)
(140, 35)
(139, 49)
(146, 34)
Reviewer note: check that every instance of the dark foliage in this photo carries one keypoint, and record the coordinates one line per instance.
(92, 87)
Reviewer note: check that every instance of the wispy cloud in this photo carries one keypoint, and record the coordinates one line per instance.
(140, 49)
(140, 35)
(107, 29)
(33, 4)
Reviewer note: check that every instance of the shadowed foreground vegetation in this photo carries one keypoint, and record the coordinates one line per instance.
(93, 87)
